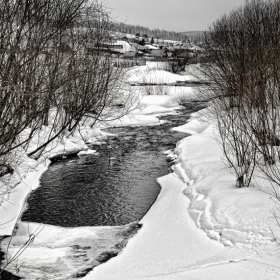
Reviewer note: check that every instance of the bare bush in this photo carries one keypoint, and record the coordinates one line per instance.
(241, 65)
(156, 89)
(179, 60)
(54, 76)
(153, 85)
(54, 71)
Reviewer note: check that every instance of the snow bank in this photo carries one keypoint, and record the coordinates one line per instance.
(193, 127)
(200, 224)
(16, 188)
(158, 110)
(87, 152)
(64, 253)
(227, 214)
(200, 198)
(152, 73)
(184, 94)
(164, 243)
(150, 107)
(158, 77)
(160, 100)
(15, 198)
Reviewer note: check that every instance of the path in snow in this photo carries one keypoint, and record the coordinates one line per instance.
(170, 246)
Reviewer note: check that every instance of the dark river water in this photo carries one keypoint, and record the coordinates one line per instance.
(116, 187)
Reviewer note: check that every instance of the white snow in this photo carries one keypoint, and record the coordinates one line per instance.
(160, 100)
(15, 189)
(200, 227)
(193, 127)
(14, 202)
(200, 224)
(148, 74)
(60, 253)
(87, 152)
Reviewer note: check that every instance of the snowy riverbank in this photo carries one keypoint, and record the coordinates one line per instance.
(201, 224)
(15, 188)
(200, 227)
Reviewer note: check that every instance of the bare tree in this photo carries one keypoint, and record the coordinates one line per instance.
(26, 28)
(177, 63)
(54, 76)
(54, 71)
(241, 65)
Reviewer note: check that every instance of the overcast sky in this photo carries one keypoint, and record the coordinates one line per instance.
(171, 15)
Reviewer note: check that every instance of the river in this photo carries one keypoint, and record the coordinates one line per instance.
(107, 192)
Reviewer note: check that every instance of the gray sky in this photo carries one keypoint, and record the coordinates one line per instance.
(171, 15)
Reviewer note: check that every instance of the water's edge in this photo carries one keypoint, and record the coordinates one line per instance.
(132, 226)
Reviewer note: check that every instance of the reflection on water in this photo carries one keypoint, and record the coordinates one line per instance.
(115, 188)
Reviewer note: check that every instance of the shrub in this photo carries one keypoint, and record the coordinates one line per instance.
(241, 64)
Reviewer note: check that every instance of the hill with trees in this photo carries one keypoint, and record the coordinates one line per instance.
(155, 33)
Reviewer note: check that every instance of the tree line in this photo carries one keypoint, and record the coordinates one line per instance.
(155, 33)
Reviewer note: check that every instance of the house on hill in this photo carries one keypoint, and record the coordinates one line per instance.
(117, 47)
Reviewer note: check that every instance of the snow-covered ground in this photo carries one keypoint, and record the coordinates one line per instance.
(200, 227)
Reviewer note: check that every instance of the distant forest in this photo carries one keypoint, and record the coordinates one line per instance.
(195, 36)
(155, 33)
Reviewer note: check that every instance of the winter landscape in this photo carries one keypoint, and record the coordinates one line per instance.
(128, 152)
